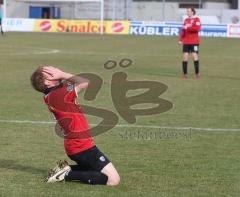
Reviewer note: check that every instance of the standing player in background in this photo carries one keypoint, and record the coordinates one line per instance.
(190, 40)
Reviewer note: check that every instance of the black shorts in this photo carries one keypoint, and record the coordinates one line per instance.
(90, 159)
(190, 48)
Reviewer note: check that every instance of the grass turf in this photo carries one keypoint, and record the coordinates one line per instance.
(178, 163)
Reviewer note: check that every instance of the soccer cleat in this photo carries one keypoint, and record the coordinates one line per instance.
(184, 76)
(60, 164)
(58, 173)
(197, 76)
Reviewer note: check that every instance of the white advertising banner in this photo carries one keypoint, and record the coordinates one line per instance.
(18, 24)
(234, 30)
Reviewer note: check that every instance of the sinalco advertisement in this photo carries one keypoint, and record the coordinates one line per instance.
(82, 26)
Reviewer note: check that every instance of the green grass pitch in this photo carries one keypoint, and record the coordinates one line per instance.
(196, 162)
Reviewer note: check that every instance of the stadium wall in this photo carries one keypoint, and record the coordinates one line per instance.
(135, 11)
(157, 11)
(154, 11)
(19, 9)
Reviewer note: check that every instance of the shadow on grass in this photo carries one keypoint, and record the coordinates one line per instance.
(14, 165)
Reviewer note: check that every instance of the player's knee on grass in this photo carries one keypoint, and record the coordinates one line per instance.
(113, 180)
(112, 174)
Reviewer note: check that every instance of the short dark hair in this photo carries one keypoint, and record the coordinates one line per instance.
(37, 80)
(193, 10)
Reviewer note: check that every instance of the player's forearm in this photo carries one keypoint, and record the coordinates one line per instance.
(194, 28)
(182, 35)
(75, 79)
(66, 76)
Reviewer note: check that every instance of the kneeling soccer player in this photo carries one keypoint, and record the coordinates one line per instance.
(60, 89)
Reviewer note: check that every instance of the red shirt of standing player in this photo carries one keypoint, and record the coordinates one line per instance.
(190, 40)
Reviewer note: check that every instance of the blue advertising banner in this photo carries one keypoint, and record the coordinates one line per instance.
(214, 31)
(173, 29)
(154, 28)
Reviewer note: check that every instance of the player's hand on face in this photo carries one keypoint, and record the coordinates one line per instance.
(53, 73)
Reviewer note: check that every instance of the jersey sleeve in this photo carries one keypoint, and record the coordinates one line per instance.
(182, 35)
(183, 32)
(196, 26)
(71, 93)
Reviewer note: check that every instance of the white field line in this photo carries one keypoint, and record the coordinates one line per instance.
(92, 53)
(126, 126)
(50, 51)
(34, 51)
(42, 51)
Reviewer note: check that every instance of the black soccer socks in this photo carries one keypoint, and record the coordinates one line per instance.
(196, 67)
(184, 67)
(88, 177)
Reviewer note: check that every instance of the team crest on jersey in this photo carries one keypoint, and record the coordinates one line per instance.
(70, 88)
(198, 23)
(102, 158)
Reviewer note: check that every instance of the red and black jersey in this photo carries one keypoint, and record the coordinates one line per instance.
(190, 29)
(61, 101)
